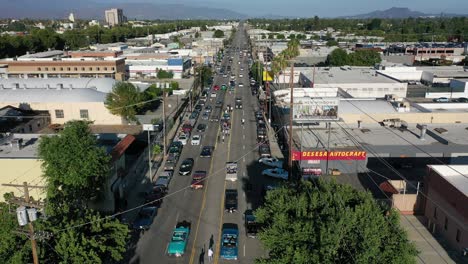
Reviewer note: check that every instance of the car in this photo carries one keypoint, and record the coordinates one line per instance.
(186, 166)
(229, 241)
(462, 100)
(241, 75)
(171, 161)
(163, 182)
(196, 140)
(145, 218)
(201, 127)
(206, 152)
(182, 139)
(198, 180)
(241, 85)
(208, 109)
(155, 196)
(225, 75)
(223, 87)
(179, 239)
(242, 69)
(264, 150)
(230, 200)
(198, 107)
(250, 223)
(205, 116)
(216, 88)
(276, 173)
(441, 100)
(272, 162)
(187, 128)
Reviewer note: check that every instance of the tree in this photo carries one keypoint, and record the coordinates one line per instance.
(197, 34)
(257, 71)
(374, 24)
(338, 57)
(218, 34)
(162, 74)
(75, 169)
(203, 28)
(156, 149)
(271, 36)
(331, 43)
(123, 100)
(263, 36)
(280, 36)
(14, 248)
(205, 74)
(326, 222)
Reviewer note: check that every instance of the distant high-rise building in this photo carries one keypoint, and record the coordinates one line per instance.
(71, 17)
(114, 16)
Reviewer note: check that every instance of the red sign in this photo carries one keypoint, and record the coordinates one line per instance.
(330, 155)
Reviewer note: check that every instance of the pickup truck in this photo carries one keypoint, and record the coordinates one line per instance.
(231, 171)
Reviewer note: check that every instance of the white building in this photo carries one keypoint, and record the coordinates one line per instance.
(151, 67)
(114, 17)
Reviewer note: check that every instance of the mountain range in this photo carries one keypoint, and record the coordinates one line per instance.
(398, 13)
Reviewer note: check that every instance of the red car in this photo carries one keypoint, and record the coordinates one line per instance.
(187, 128)
(198, 180)
(216, 88)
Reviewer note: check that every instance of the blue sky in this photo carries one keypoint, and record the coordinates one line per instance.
(321, 8)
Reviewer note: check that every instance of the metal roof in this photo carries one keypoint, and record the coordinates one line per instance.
(457, 175)
(52, 95)
(103, 85)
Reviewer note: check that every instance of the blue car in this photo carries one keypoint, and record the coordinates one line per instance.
(229, 242)
(145, 218)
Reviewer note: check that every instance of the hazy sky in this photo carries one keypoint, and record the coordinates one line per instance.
(321, 8)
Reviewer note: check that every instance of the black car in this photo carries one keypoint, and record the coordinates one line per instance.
(206, 152)
(230, 201)
(186, 166)
(198, 107)
(251, 225)
(208, 108)
(201, 127)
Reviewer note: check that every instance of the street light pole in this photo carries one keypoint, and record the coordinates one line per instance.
(291, 103)
(149, 157)
(164, 124)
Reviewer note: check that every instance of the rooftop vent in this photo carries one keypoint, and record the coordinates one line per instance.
(16, 143)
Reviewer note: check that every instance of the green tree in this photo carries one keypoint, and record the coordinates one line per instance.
(331, 43)
(14, 248)
(204, 74)
(218, 34)
(197, 34)
(374, 24)
(328, 222)
(338, 57)
(364, 58)
(123, 100)
(156, 149)
(263, 36)
(280, 36)
(162, 74)
(257, 71)
(271, 36)
(203, 28)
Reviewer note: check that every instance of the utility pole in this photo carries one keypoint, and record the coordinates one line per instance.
(25, 201)
(164, 125)
(291, 104)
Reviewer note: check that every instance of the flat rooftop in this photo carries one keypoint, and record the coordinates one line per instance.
(345, 74)
(457, 175)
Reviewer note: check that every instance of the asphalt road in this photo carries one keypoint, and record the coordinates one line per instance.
(204, 208)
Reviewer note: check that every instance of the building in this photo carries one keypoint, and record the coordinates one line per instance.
(446, 200)
(64, 99)
(52, 67)
(17, 120)
(149, 68)
(114, 17)
(19, 162)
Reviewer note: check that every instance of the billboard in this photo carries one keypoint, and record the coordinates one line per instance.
(329, 155)
(313, 109)
(267, 76)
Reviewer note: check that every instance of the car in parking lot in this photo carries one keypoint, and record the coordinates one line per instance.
(198, 180)
(441, 100)
(196, 140)
(272, 162)
(179, 239)
(229, 242)
(186, 166)
(145, 218)
(276, 173)
(201, 127)
(206, 152)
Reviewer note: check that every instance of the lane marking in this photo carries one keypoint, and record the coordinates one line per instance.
(243, 146)
(243, 136)
(192, 256)
(244, 250)
(243, 159)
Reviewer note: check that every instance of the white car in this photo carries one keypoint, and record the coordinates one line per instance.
(272, 162)
(242, 69)
(183, 139)
(241, 75)
(196, 139)
(276, 173)
(241, 85)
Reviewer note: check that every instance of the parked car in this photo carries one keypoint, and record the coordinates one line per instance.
(155, 196)
(264, 150)
(145, 218)
(186, 166)
(462, 100)
(187, 128)
(179, 239)
(208, 109)
(241, 84)
(198, 107)
(196, 140)
(183, 139)
(206, 152)
(163, 182)
(272, 162)
(276, 173)
(229, 242)
(171, 161)
(205, 116)
(198, 180)
(250, 223)
(441, 100)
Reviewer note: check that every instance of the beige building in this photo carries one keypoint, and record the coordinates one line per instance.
(64, 67)
(65, 99)
(114, 16)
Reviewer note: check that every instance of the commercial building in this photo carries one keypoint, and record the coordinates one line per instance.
(17, 120)
(64, 68)
(446, 200)
(19, 162)
(149, 68)
(64, 99)
(114, 17)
